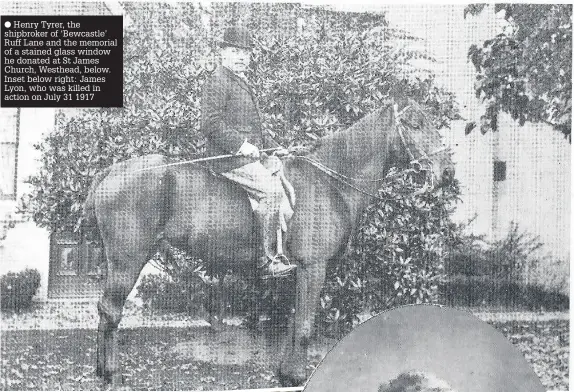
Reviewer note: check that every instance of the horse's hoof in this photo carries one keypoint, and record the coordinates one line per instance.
(289, 380)
(113, 381)
(122, 387)
(290, 377)
(217, 325)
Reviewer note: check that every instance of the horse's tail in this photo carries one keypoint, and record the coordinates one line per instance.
(89, 221)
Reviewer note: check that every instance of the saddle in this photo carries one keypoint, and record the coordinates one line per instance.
(272, 163)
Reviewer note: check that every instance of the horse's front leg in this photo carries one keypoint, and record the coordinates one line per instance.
(310, 280)
(218, 296)
(101, 347)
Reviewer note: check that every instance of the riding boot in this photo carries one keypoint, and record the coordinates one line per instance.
(272, 264)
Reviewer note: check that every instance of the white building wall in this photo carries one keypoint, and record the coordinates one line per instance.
(536, 193)
(26, 245)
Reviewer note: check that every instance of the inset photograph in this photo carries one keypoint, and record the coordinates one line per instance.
(424, 348)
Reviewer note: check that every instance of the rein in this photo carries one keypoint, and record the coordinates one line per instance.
(326, 169)
(345, 180)
(200, 160)
(341, 177)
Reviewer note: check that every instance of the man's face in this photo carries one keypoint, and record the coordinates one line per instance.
(236, 59)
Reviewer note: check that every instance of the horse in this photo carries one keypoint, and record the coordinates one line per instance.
(145, 204)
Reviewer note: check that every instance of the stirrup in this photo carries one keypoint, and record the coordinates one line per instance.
(281, 258)
(285, 269)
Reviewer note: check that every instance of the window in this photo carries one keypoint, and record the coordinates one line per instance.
(9, 135)
(499, 173)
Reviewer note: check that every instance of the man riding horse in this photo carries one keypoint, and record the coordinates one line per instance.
(150, 204)
(231, 122)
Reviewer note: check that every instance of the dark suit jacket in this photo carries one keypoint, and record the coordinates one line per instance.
(229, 116)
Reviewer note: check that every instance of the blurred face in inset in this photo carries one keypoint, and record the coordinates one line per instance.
(416, 382)
(236, 59)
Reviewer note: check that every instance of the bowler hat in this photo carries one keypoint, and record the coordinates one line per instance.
(238, 37)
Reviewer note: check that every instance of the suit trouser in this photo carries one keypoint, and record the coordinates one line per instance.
(269, 201)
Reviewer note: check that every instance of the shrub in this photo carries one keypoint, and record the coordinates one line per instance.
(309, 85)
(164, 294)
(511, 272)
(341, 67)
(511, 255)
(552, 274)
(18, 288)
(506, 258)
(187, 286)
(398, 255)
(163, 72)
(181, 288)
(468, 257)
(491, 292)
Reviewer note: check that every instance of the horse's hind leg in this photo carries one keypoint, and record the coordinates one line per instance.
(130, 208)
(116, 290)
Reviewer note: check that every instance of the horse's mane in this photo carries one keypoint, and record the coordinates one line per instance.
(365, 124)
(358, 142)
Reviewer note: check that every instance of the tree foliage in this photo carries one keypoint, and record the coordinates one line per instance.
(526, 71)
(308, 85)
(335, 72)
(18, 288)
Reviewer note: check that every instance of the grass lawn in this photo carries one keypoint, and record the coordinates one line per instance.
(545, 345)
(65, 359)
(167, 358)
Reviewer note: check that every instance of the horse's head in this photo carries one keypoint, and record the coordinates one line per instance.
(418, 145)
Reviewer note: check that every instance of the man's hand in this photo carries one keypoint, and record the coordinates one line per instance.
(248, 150)
(281, 152)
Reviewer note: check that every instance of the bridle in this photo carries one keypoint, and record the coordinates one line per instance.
(423, 156)
(424, 161)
